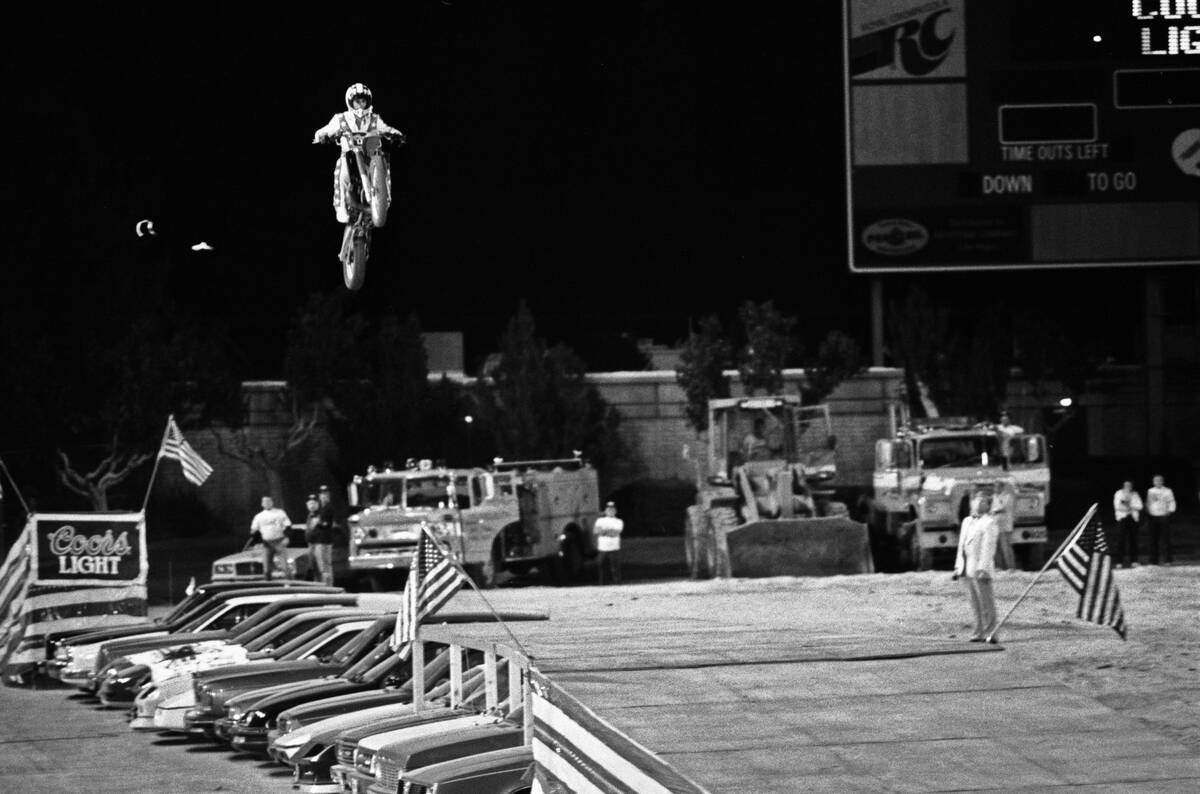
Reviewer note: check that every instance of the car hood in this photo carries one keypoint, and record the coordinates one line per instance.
(225, 683)
(514, 759)
(304, 691)
(343, 704)
(325, 732)
(433, 748)
(377, 740)
(125, 647)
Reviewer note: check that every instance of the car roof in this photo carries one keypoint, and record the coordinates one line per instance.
(250, 588)
(288, 619)
(321, 630)
(279, 602)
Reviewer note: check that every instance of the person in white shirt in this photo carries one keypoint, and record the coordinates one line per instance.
(271, 525)
(1160, 505)
(608, 529)
(1127, 510)
(975, 563)
(1002, 509)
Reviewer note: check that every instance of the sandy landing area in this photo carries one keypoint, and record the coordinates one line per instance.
(1153, 676)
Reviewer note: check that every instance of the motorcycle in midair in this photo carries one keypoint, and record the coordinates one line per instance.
(368, 198)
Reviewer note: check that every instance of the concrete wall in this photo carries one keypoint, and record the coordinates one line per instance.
(651, 406)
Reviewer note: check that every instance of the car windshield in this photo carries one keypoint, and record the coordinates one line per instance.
(434, 491)
(364, 642)
(316, 636)
(204, 617)
(381, 652)
(390, 663)
(282, 634)
(937, 453)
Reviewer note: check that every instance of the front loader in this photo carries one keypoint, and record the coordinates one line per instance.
(764, 504)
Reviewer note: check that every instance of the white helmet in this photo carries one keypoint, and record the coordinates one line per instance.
(355, 91)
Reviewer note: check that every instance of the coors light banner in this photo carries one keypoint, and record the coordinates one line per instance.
(90, 548)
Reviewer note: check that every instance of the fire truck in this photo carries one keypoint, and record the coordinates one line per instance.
(511, 517)
(923, 479)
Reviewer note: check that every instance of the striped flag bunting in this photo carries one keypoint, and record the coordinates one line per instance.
(1086, 565)
(433, 579)
(195, 468)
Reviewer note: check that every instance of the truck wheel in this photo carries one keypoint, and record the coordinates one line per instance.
(483, 574)
(568, 563)
(1034, 557)
(373, 583)
(922, 559)
(699, 563)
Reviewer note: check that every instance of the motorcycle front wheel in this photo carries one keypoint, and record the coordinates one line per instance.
(379, 192)
(355, 248)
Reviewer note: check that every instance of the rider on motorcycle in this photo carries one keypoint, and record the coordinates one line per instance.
(359, 116)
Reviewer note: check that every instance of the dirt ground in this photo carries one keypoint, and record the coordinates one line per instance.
(1152, 676)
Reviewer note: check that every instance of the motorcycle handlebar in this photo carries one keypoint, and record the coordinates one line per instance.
(393, 137)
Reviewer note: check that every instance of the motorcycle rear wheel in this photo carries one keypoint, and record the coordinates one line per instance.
(354, 258)
(379, 192)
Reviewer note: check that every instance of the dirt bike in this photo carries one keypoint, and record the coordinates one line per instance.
(367, 202)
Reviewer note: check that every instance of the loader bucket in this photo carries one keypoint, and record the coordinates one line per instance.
(799, 547)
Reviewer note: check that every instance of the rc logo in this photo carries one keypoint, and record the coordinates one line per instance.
(895, 237)
(898, 39)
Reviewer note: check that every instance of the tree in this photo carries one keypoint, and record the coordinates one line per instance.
(922, 341)
(701, 371)
(115, 406)
(959, 374)
(324, 369)
(769, 347)
(838, 357)
(537, 403)
(387, 415)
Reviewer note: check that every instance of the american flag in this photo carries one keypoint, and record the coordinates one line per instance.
(176, 447)
(1087, 567)
(433, 579)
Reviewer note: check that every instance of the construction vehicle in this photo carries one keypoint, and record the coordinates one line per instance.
(923, 480)
(764, 503)
(511, 517)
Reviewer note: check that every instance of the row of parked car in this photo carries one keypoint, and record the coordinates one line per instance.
(306, 675)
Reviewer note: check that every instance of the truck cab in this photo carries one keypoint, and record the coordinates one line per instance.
(924, 476)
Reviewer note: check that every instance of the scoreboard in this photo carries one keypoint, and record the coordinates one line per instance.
(1013, 134)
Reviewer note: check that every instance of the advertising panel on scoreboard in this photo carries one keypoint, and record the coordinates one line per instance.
(1006, 134)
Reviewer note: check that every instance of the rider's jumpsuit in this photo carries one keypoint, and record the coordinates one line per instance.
(345, 122)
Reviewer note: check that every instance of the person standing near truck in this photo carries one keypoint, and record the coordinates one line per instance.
(608, 529)
(319, 535)
(271, 525)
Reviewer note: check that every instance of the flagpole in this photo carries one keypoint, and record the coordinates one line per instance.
(1083, 522)
(157, 461)
(471, 582)
(16, 490)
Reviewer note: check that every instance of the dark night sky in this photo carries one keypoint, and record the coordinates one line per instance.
(622, 166)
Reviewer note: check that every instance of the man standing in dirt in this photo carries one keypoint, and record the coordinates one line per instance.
(1160, 504)
(975, 563)
(608, 529)
(1127, 509)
